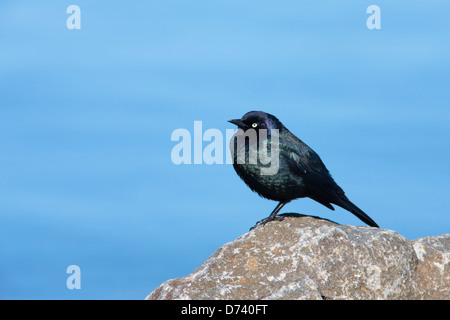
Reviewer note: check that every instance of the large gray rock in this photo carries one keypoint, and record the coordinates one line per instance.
(310, 258)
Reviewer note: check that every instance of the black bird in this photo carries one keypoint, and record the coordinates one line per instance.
(301, 173)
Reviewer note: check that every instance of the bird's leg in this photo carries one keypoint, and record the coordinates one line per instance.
(273, 215)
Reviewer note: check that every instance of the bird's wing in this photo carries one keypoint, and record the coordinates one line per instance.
(318, 181)
(305, 162)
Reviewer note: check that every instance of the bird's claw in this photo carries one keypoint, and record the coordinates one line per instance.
(266, 220)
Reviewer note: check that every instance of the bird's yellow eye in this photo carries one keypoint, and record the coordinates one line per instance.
(254, 125)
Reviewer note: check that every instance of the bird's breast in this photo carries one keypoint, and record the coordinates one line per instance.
(259, 163)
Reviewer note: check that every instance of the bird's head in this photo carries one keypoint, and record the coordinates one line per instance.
(257, 120)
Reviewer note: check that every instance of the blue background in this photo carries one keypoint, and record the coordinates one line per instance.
(86, 118)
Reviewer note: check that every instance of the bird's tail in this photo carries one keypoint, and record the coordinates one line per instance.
(345, 203)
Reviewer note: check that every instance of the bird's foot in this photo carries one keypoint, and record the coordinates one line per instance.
(268, 219)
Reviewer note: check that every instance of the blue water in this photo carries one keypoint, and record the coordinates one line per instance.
(86, 117)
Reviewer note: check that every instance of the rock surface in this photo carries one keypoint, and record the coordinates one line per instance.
(433, 271)
(310, 258)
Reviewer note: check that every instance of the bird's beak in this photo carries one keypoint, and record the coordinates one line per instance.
(239, 123)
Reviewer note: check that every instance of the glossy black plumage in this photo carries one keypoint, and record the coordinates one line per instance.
(301, 173)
